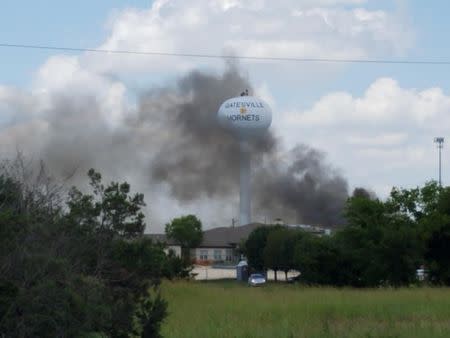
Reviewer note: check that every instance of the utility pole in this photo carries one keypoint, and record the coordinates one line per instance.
(440, 144)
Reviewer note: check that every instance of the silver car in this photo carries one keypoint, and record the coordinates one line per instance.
(256, 279)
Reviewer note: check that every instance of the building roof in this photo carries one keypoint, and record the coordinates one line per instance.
(222, 237)
(228, 237)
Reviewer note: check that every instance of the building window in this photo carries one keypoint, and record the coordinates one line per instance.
(203, 255)
(229, 255)
(217, 254)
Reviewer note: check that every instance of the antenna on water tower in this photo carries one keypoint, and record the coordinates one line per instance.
(247, 117)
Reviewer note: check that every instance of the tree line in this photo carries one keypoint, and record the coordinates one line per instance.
(383, 243)
(76, 264)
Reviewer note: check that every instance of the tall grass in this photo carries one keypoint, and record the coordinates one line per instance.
(229, 309)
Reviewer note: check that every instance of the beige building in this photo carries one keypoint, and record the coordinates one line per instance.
(220, 245)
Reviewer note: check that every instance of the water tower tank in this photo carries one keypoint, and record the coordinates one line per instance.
(246, 116)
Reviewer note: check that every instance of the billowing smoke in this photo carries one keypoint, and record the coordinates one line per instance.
(171, 139)
(201, 158)
(304, 188)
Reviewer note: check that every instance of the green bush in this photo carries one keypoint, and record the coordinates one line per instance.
(80, 271)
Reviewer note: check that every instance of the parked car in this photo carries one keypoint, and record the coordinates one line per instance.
(256, 279)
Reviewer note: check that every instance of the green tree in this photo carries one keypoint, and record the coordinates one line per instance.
(437, 254)
(429, 208)
(187, 231)
(109, 209)
(279, 250)
(254, 247)
(319, 260)
(416, 203)
(380, 242)
(436, 236)
(67, 274)
(175, 267)
(44, 293)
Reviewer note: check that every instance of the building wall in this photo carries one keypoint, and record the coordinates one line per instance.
(213, 255)
(206, 254)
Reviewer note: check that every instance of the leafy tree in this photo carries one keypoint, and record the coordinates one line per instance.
(443, 204)
(175, 267)
(400, 252)
(380, 243)
(187, 231)
(135, 268)
(273, 252)
(254, 247)
(436, 235)
(319, 260)
(279, 250)
(45, 295)
(110, 209)
(383, 243)
(76, 273)
(437, 254)
(429, 208)
(151, 314)
(415, 203)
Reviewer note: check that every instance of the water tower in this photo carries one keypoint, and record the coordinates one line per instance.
(247, 117)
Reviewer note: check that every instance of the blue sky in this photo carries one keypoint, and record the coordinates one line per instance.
(83, 24)
(375, 122)
(62, 23)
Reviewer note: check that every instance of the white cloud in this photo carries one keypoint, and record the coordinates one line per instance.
(264, 93)
(284, 28)
(383, 102)
(383, 137)
(66, 75)
(259, 4)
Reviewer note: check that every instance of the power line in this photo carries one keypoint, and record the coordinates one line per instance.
(216, 56)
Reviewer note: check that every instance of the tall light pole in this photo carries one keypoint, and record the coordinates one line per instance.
(440, 144)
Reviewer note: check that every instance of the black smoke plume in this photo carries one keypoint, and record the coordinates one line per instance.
(201, 158)
(304, 188)
(171, 139)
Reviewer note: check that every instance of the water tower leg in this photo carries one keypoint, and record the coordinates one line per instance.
(245, 184)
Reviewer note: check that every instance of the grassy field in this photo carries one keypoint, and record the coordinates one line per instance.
(229, 309)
